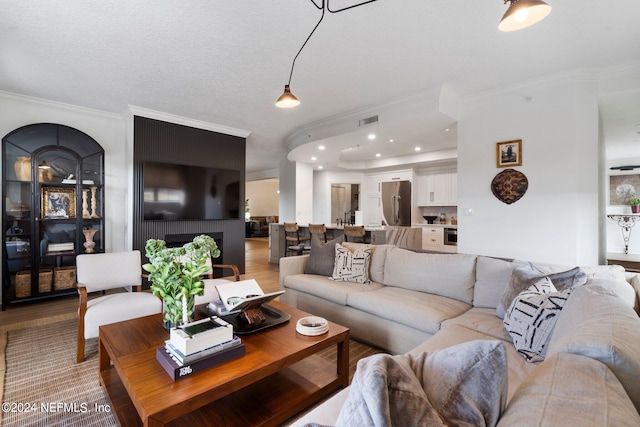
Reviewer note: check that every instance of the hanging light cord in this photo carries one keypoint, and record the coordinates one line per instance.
(305, 43)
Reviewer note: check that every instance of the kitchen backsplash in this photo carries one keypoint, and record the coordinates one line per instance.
(449, 211)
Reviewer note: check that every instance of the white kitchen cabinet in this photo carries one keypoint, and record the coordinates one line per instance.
(438, 189)
(432, 238)
(373, 210)
(373, 185)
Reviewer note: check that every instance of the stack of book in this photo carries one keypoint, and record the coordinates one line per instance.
(197, 346)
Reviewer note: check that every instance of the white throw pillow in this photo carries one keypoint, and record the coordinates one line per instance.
(352, 266)
(532, 316)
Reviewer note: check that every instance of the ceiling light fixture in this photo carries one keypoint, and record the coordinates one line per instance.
(287, 99)
(320, 147)
(523, 13)
(378, 154)
(372, 136)
(417, 149)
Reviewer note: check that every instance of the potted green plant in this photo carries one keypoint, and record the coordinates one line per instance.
(634, 201)
(176, 275)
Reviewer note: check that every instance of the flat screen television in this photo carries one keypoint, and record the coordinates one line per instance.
(183, 192)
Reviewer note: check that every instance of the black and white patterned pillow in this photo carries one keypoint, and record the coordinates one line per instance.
(352, 266)
(532, 316)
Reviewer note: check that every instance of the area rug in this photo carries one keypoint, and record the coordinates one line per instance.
(44, 386)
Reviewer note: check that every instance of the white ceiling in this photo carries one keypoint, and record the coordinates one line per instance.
(226, 62)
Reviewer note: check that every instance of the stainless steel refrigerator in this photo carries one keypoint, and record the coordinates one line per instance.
(396, 202)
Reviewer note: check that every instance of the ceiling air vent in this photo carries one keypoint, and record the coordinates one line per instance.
(368, 121)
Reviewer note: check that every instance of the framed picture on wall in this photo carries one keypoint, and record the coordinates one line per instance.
(622, 187)
(58, 202)
(509, 153)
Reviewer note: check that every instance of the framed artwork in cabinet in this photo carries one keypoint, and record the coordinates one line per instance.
(509, 153)
(58, 202)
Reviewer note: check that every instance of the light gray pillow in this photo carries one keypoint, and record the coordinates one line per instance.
(532, 316)
(465, 384)
(322, 256)
(526, 275)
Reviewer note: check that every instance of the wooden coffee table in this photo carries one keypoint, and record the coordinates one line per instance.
(279, 376)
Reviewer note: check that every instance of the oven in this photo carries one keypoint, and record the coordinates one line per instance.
(451, 236)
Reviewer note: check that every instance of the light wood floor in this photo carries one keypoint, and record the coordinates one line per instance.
(257, 267)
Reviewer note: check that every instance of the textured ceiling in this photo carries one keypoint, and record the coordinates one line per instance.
(226, 62)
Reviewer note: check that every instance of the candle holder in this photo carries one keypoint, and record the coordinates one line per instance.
(94, 203)
(85, 204)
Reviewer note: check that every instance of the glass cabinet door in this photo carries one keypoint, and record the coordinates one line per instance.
(53, 208)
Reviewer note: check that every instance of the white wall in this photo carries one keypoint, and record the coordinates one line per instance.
(107, 129)
(557, 219)
(296, 196)
(263, 197)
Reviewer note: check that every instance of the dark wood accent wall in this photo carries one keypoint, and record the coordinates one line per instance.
(159, 141)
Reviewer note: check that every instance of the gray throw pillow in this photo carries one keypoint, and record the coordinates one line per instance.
(526, 275)
(322, 256)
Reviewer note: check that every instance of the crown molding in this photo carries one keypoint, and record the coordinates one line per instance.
(581, 74)
(133, 110)
(57, 104)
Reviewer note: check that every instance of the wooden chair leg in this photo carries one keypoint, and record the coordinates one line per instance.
(82, 309)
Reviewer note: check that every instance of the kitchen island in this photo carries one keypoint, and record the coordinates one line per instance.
(401, 236)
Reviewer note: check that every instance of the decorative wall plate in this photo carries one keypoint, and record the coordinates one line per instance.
(509, 186)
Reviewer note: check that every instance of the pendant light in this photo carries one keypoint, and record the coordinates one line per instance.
(523, 13)
(287, 99)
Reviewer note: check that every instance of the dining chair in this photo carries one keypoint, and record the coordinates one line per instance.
(107, 271)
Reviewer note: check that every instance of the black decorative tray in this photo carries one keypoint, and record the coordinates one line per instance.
(241, 327)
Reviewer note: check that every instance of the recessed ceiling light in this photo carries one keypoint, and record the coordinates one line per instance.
(314, 158)
(417, 148)
(391, 140)
(446, 130)
(278, 191)
(378, 154)
(320, 147)
(372, 136)
(320, 167)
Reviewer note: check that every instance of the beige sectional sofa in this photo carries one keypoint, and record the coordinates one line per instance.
(424, 302)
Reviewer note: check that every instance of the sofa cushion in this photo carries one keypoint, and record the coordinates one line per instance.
(450, 275)
(322, 256)
(492, 278)
(351, 266)
(532, 316)
(482, 320)
(599, 324)
(526, 275)
(325, 288)
(418, 310)
(378, 257)
(548, 396)
(461, 385)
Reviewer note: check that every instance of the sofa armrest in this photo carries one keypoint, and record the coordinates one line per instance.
(634, 280)
(292, 265)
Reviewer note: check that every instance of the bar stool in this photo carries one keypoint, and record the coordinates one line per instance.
(354, 233)
(318, 230)
(293, 239)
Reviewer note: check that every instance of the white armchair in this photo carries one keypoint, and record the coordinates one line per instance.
(99, 272)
